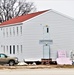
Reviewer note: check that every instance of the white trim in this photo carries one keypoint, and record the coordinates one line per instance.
(64, 15)
(14, 24)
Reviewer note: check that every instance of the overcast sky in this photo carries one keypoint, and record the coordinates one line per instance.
(64, 6)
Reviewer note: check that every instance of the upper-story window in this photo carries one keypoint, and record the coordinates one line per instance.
(13, 30)
(3, 32)
(21, 29)
(10, 31)
(47, 30)
(1, 28)
(7, 31)
(17, 31)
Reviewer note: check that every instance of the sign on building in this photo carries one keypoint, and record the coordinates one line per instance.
(46, 41)
(61, 54)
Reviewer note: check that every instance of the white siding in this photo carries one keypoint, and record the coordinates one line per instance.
(10, 38)
(61, 31)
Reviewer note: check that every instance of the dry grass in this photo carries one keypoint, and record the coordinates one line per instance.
(65, 66)
(36, 67)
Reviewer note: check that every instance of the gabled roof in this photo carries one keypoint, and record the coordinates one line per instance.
(22, 18)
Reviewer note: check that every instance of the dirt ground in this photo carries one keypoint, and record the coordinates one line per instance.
(37, 70)
(36, 66)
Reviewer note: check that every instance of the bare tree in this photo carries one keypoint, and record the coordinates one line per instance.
(11, 8)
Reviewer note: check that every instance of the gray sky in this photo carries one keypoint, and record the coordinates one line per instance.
(64, 6)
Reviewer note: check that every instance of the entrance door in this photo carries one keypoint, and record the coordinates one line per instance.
(46, 52)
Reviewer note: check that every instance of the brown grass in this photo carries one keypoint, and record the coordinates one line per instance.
(36, 67)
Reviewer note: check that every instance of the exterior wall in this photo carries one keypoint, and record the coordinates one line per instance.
(32, 33)
(61, 31)
(11, 40)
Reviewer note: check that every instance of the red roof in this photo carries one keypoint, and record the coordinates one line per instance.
(22, 18)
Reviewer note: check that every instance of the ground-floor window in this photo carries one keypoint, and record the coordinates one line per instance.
(13, 49)
(17, 48)
(4, 49)
(21, 48)
(10, 49)
(7, 49)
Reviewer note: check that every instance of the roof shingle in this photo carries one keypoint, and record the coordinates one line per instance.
(22, 18)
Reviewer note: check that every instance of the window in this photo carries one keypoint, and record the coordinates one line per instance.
(3, 32)
(13, 49)
(21, 48)
(1, 28)
(21, 29)
(47, 30)
(10, 50)
(17, 30)
(10, 31)
(2, 56)
(4, 49)
(7, 31)
(13, 31)
(7, 48)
